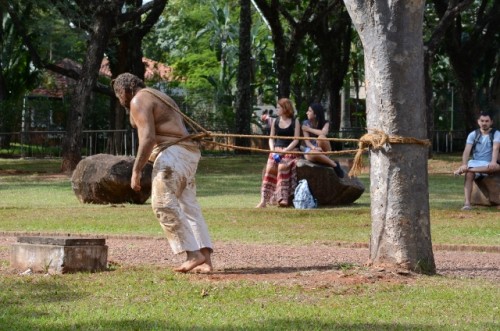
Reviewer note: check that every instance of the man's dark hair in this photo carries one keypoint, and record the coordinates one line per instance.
(485, 113)
(127, 82)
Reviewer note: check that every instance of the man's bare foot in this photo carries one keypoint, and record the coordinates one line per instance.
(261, 205)
(193, 259)
(206, 267)
(203, 269)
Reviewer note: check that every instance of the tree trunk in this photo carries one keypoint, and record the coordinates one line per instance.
(393, 47)
(101, 30)
(494, 97)
(129, 58)
(244, 96)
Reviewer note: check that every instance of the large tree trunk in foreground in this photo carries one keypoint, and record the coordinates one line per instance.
(391, 33)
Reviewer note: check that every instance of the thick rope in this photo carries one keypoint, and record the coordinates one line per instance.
(375, 140)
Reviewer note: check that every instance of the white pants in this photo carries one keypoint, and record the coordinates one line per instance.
(173, 198)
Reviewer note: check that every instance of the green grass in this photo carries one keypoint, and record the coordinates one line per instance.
(154, 298)
(228, 190)
(151, 298)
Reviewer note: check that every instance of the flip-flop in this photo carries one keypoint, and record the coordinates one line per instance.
(466, 207)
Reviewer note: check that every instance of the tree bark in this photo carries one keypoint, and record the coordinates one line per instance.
(391, 33)
(129, 54)
(104, 21)
(244, 95)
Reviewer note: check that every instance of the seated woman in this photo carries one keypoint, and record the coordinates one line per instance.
(317, 126)
(280, 177)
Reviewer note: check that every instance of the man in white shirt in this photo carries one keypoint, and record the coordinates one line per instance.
(484, 144)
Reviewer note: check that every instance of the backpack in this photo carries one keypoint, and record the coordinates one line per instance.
(478, 136)
(303, 198)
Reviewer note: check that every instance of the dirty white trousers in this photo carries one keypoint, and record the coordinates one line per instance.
(173, 198)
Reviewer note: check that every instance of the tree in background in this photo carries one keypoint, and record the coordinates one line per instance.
(223, 34)
(103, 19)
(244, 77)
(472, 43)
(16, 76)
(332, 34)
(125, 53)
(289, 27)
(393, 49)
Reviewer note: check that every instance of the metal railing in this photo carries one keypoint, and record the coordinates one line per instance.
(41, 144)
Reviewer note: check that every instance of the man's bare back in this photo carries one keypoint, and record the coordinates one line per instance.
(168, 123)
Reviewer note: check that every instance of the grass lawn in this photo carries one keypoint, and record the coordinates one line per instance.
(153, 298)
(228, 191)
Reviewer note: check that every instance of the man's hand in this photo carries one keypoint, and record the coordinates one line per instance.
(493, 166)
(135, 182)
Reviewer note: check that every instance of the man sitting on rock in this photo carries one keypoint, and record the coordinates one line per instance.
(484, 144)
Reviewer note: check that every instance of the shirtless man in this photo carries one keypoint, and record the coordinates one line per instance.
(173, 194)
(485, 155)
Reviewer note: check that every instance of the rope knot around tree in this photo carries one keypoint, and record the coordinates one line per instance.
(376, 140)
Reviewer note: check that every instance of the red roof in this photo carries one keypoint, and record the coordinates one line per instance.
(153, 70)
(62, 84)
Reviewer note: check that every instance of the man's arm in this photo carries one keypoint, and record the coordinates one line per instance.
(494, 155)
(465, 157)
(142, 113)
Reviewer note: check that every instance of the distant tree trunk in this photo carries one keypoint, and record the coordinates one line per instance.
(334, 43)
(464, 71)
(244, 95)
(286, 45)
(129, 56)
(393, 46)
(471, 43)
(494, 97)
(104, 21)
(5, 139)
(446, 11)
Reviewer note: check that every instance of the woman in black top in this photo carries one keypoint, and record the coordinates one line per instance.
(280, 178)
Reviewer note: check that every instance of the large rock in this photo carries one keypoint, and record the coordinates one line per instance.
(486, 191)
(105, 178)
(326, 187)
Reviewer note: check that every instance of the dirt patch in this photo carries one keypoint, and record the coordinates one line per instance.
(310, 266)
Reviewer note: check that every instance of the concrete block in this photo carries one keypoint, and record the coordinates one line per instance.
(59, 254)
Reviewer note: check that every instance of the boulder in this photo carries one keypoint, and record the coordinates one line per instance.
(105, 178)
(486, 191)
(326, 186)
